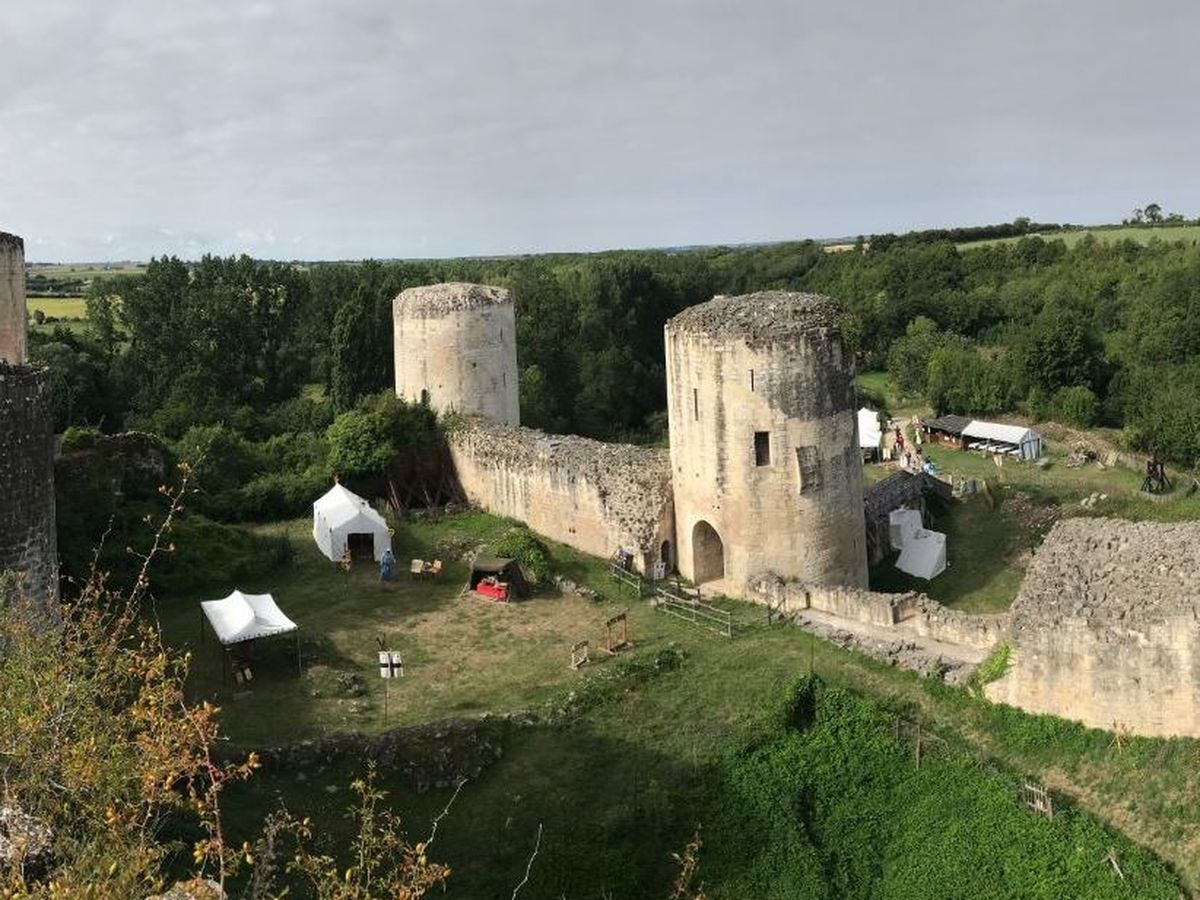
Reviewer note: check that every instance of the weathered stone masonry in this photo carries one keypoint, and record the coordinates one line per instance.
(28, 546)
(764, 441)
(1106, 627)
(12, 298)
(593, 496)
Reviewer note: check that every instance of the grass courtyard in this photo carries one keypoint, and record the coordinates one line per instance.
(624, 785)
(462, 656)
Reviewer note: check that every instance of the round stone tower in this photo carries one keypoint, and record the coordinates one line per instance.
(764, 446)
(28, 547)
(456, 348)
(12, 299)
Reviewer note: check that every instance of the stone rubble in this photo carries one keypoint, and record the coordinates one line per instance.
(1105, 571)
(436, 300)
(759, 319)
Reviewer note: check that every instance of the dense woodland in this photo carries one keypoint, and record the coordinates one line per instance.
(1103, 333)
(278, 373)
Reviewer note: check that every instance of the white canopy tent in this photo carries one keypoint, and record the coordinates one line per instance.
(998, 438)
(870, 436)
(244, 617)
(923, 555)
(341, 518)
(903, 524)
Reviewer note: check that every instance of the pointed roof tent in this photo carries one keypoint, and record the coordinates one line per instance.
(340, 512)
(244, 617)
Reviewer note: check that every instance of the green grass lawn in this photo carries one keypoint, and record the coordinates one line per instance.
(625, 785)
(59, 307)
(1143, 234)
(983, 570)
(462, 656)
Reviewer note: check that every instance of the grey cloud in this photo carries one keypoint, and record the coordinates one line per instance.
(384, 128)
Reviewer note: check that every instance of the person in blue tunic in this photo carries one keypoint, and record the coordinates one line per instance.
(387, 565)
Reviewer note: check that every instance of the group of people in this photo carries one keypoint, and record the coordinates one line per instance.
(910, 458)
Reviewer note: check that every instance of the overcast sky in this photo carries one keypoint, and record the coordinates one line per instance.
(323, 129)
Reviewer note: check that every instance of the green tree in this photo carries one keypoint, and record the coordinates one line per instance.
(1060, 350)
(360, 445)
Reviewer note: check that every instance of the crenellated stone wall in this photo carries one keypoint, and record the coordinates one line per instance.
(593, 496)
(28, 545)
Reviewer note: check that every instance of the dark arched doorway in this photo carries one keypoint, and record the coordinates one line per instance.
(708, 554)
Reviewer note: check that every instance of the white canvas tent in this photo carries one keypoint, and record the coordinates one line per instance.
(341, 518)
(244, 617)
(923, 555)
(903, 524)
(992, 437)
(870, 436)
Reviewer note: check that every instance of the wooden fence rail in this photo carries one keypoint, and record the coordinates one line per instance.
(696, 611)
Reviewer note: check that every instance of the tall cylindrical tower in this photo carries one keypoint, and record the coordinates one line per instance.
(764, 445)
(456, 348)
(12, 299)
(28, 545)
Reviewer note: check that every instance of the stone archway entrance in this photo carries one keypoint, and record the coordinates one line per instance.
(708, 554)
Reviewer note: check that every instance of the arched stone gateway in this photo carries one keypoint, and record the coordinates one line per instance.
(708, 553)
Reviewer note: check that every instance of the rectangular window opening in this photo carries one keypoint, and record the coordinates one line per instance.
(762, 448)
(696, 404)
(752, 381)
(810, 468)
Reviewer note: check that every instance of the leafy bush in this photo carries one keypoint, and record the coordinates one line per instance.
(79, 437)
(830, 803)
(991, 668)
(1076, 405)
(522, 545)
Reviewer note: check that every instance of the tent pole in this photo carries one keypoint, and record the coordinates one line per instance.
(299, 661)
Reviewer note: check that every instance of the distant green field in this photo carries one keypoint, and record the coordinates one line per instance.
(85, 270)
(59, 307)
(1141, 233)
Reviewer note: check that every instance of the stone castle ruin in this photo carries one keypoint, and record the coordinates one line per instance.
(760, 496)
(763, 469)
(764, 442)
(1106, 627)
(28, 544)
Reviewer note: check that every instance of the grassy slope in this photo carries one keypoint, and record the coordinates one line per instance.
(1140, 233)
(624, 786)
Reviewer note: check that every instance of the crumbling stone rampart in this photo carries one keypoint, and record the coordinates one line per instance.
(918, 614)
(28, 546)
(1106, 627)
(594, 496)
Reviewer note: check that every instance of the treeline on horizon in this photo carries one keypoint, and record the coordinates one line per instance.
(1101, 333)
